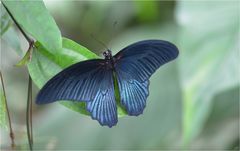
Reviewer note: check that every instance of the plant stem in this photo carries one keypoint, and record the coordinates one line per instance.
(30, 116)
(11, 134)
(28, 113)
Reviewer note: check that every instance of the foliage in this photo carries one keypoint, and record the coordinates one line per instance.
(37, 21)
(209, 68)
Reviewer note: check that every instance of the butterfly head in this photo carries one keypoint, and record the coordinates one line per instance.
(107, 54)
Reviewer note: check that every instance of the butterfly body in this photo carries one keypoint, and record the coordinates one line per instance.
(92, 81)
(109, 60)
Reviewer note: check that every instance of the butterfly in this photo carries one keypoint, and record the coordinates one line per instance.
(92, 81)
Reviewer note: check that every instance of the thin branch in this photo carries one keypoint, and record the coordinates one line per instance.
(11, 134)
(28, 114)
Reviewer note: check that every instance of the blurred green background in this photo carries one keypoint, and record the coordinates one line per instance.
(193, 101)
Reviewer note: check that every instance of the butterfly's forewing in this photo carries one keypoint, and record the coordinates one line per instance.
(79, 82)
(134, 66)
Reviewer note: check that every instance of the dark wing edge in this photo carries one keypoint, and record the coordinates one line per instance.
(103, 107)
(79, 82)
(134, 65)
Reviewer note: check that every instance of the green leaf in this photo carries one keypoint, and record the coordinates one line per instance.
(5, 22)
(25, 59)
(45, 65)
(35, 19)
(3, 112)
(11, 38)
(208, 60)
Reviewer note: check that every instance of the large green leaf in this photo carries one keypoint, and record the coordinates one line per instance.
(209, 59)
(5, 20)
(45, 65)
(35, 19)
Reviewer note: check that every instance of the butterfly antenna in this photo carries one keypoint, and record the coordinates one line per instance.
(103, 44)
(113, 27)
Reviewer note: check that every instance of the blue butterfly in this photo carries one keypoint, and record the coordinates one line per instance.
(92, 81)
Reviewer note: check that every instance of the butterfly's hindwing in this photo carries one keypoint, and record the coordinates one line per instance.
(133, 93)
(103, 107)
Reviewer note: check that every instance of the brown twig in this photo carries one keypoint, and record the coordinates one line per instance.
(29, 114)
(11, 134)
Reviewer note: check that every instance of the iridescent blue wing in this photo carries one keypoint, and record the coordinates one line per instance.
(78, 82)
(134, 65)
(90, 81)
(103, 107)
